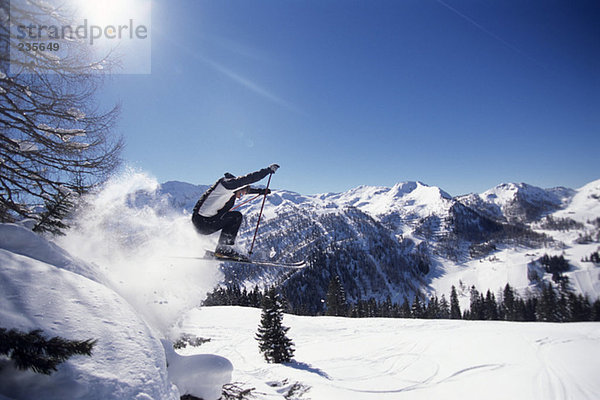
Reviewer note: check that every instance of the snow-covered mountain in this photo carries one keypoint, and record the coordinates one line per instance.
(396, 241)
(584, 205)
(518, 202)
(186, 194)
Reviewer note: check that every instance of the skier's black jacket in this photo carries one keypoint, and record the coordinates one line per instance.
(220, 197)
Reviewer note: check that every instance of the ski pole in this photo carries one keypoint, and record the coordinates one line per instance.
(244, 202)
(260, 214)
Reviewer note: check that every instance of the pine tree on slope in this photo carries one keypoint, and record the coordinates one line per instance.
(336, 299)
(477, 307)
(490, 306)
(509, 307)
(454, 306)
(444, 308)
(417, 308)
(546, 309)
(272, 340)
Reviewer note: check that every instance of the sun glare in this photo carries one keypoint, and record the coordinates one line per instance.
(119, 28)
(111, 12)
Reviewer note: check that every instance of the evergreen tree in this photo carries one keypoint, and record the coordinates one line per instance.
(555, 265)
(519, 310)
(395, 311)
(33, 351)
(530, 309)
(579, 307)
(547, 305)
(272, 340)
(244, 298)
(255, 297)
(372, 308)
(508, 305)
(335, 302)
(595, 311)
(477, 310)
(405, 309)
(444, 308)
(417, 310)
(361, 307)
(490, 307)
(386, 308)
(563, 312)
(454, 306)
(432, 308)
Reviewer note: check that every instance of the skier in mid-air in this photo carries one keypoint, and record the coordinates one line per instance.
(212, 212)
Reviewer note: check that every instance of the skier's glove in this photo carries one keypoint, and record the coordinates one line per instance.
(273, 168)
(259, 191)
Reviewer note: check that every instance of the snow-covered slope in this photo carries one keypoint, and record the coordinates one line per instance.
(346, 359)
(20, 240)
(518, 202)
(37, 292)
(126, 295)
(411, 198)
(187, 194)
(584, 205)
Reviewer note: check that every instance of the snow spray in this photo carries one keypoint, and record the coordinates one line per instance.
(139, 243)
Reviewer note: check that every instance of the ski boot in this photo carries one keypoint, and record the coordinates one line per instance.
(226, 252)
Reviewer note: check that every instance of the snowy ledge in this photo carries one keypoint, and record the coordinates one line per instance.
(43, 287)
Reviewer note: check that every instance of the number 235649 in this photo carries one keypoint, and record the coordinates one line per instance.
(27, 46)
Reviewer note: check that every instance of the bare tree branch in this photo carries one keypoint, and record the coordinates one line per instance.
(54, 139)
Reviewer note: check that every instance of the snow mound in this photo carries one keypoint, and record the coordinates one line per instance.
(202, 375)
(128, 361)
(20, 240)
(43, 287)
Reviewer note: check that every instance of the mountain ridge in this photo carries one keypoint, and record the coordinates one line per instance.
(397, 241)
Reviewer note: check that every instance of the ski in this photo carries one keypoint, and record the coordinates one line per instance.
(210, 255)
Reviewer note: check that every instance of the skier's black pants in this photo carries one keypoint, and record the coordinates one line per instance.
(229, 224)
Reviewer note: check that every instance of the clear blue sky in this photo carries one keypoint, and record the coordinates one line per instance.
(459, 94)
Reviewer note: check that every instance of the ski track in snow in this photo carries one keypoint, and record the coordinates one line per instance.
(363, 359)
(556, 380)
